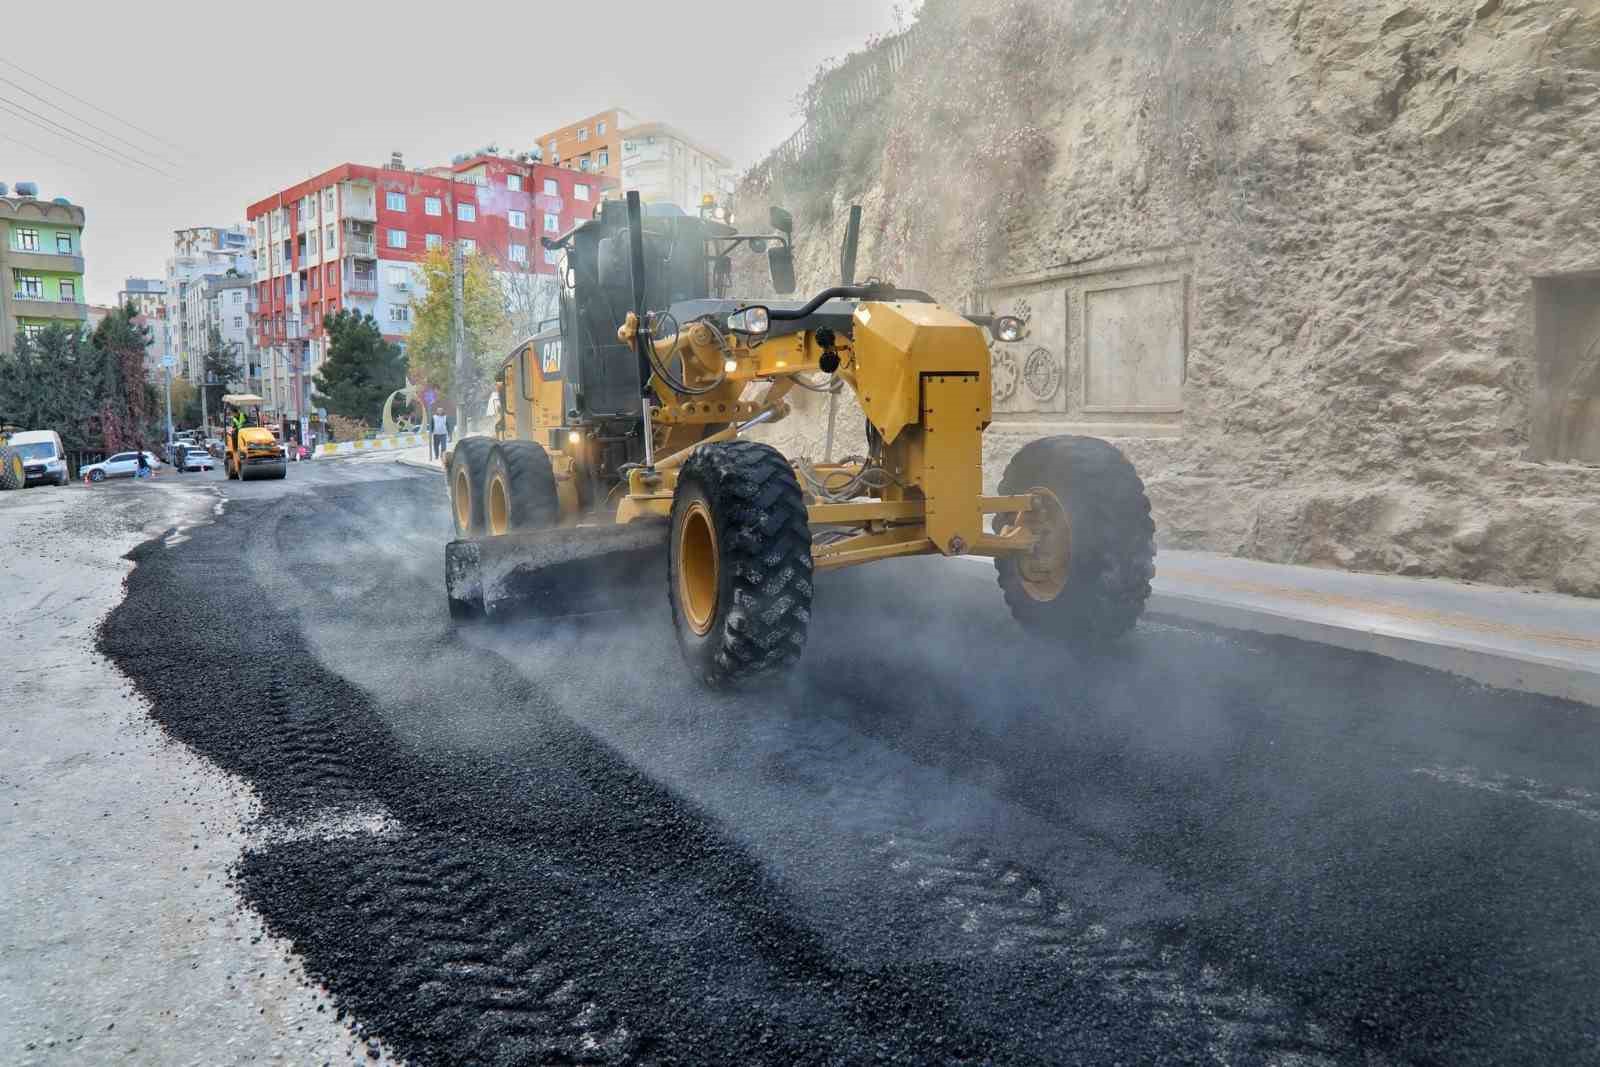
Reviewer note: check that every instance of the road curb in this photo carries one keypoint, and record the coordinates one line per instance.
(419, 466)
(1489, 666)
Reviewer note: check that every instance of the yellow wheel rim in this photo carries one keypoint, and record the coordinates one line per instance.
(698, 563)
(499, 505)
(16, 468)
(462, 499)
(1045, 568)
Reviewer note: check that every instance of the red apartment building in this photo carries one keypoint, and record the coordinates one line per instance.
(352, 238)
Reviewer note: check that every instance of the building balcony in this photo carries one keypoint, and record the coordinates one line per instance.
(22, 259)
(361, 285)
(364, 249)
(361, 209)
(25, 307)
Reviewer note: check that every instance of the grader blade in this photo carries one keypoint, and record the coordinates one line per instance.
(552, 573)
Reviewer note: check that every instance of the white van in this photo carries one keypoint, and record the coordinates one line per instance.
(43, 457)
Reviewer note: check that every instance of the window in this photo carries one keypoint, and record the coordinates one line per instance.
(64, 243)
(313, 248)
(519, 253)
(327, 199)
(551, 187)
(32, 330)
(397, 238)
(328, 239)
(399, 313)
(583, 164)
(432, 205)
(552, 223)
(600, 128)
(30, 286)
(395, 201)
(28, 240)
(468, 246)
(238, 296)
(583, 133)
(552, 256)
(514, 182)
(435, 241)
(69, 291)
(466, 212)
(603, 158)
(238, 321)
(399, 276)
(580, 192)
(518, 219)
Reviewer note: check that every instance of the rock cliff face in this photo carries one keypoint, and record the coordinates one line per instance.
(1327, 270)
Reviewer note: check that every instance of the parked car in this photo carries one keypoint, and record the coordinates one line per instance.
(43, 457)
(197, 459)
(121, 465)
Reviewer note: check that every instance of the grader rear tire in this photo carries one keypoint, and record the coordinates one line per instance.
(12, 473)
(469, 463)
(1087, 581)
(519, 489)
(739, 564)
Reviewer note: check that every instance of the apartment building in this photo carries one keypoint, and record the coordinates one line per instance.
(41, 262)
(353, 236)
(198, 252)
(592, 145)
(662, 163)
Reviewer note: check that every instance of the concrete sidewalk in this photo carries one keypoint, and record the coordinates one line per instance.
(1536, 642)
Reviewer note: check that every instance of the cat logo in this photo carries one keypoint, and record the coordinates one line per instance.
(550, 358)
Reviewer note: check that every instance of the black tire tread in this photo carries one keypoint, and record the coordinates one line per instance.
(1113, 540)
(8, 473)
(535, 503)
(765, 545)
(473, 452)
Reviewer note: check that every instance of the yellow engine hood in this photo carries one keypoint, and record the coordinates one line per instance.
(254, 437)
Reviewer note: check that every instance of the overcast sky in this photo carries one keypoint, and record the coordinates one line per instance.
(239, 101)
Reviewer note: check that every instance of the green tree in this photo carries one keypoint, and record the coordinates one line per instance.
(52, 382)
(432, 350)
(221, 367)
(127, 413)
(361, 370)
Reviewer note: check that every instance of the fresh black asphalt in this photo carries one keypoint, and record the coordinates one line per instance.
(941, 842)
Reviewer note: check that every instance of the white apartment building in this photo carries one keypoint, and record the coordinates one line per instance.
(199, 252)
(149, 298)
(664, 165)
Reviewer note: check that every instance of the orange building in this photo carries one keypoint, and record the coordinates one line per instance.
(592, 145)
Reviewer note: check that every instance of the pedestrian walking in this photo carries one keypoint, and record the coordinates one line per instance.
(441, 432)
(144, 464)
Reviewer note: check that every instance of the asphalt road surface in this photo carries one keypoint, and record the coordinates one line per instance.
(940, 842)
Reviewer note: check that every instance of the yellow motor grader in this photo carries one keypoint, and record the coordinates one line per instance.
(621, 438)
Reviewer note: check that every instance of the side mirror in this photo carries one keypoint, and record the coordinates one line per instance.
(780, 261)
(781, 221)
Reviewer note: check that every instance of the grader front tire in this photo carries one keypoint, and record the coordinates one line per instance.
(739, 564)
(12, 473)
(520, 489)
(1087, 581)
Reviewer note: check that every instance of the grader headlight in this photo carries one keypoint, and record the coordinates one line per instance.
(1009, 328)
(755, 321)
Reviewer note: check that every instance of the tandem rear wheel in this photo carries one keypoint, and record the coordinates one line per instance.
(501, 487)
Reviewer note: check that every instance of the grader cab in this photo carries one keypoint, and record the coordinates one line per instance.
(622, 438)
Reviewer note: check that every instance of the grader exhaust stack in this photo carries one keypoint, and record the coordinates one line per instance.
(619, 453)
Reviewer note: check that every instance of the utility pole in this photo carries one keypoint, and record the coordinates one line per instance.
(458, 333)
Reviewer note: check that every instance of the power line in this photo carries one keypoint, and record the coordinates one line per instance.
(44, 122)
(36, 148)
(79, 118)
(85, 103)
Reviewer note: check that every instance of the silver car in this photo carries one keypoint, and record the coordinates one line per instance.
(121, 465)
